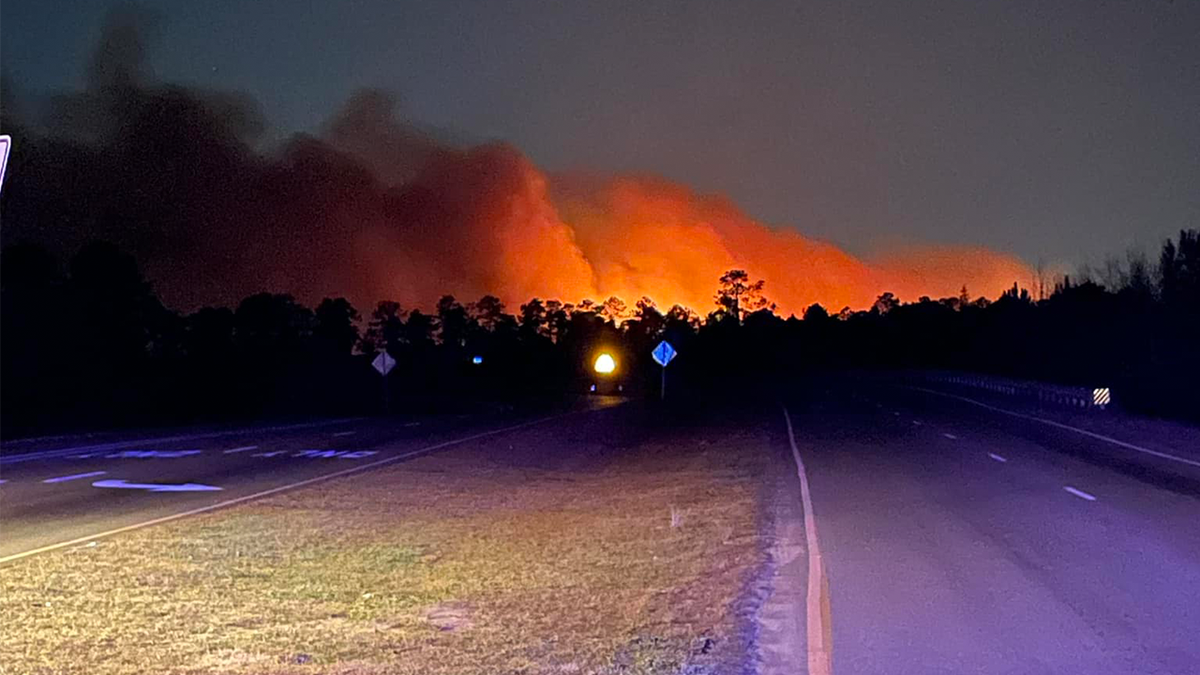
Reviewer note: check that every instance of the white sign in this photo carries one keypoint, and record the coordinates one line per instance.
(663, 353)
(384, 363)
(5, 144)
(1101, 396)
(154, 487)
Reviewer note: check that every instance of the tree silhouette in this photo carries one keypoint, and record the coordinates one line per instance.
(884, 304)
(533, 318)
(816, 313)
(270, 325)
(739, 296)
(487, 311)
(453, 322)
(94, 346)
(385, 329)
(418, 330)
(335, 327)
(614, 309)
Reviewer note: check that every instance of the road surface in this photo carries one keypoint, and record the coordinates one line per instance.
(63, 489)
(958, 539)
(955, 538)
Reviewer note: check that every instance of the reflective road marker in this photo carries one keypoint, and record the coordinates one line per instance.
(63, 479)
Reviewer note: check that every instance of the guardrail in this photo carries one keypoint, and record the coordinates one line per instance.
(1079, 398)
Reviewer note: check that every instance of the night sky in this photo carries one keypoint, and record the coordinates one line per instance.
(1057, 131)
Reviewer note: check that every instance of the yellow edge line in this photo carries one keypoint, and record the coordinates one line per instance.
(819, 617)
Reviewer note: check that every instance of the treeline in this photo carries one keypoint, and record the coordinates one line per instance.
(91, 345)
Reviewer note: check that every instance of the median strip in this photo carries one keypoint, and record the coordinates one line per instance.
(553, 550)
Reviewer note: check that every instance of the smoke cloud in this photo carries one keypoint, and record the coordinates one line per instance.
(375, 207)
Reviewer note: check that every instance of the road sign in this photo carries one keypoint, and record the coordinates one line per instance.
(155, 487)
(5, 144)
(1101, 397)
(384, 363)
(663, 353)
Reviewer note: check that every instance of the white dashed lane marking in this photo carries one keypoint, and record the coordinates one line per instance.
(1079, 493)
(996, 457)
(916, 423)
(63, 479)
(345, 433)
(241, 449)
(951, 437)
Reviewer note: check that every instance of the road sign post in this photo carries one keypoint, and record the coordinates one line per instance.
(662, 355)
(384, 364)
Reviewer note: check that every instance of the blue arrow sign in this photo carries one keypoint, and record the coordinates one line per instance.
(663, 353)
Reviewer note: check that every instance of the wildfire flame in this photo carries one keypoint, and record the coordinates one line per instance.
(506, 228)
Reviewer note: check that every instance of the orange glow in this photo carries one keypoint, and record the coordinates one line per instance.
(487, 220)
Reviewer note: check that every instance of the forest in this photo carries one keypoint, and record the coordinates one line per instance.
(87, 344)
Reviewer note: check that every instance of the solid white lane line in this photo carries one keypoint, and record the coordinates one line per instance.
(820, 648)
(1079, 493)
(996, 457)
(345, 433)
(264, 493)
(63, 479)
(951, 437)
(1060, 425)
(241, 449)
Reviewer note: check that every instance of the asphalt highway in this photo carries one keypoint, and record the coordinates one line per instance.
(960, 539)
(61, 490)
(955, 537)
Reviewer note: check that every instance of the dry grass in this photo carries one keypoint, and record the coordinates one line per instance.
(454, 563)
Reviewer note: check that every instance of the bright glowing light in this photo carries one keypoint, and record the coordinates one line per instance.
(477, 360)
(605, 364)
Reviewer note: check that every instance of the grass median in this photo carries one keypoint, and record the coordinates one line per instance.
(461, 562)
